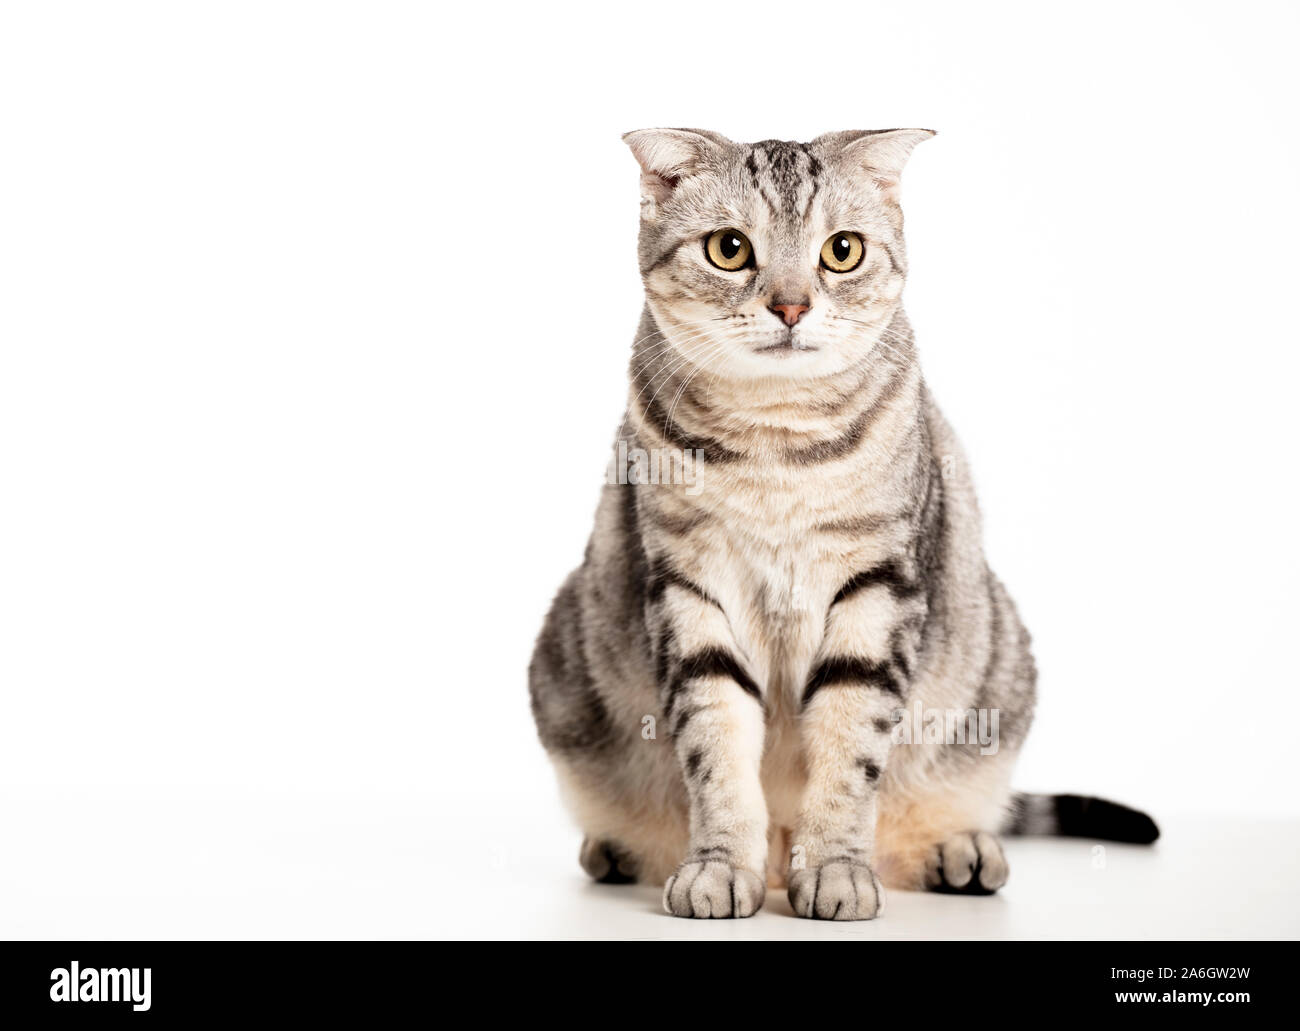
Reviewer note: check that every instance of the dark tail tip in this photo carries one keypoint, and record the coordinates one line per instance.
(1079, 816)
(1083, 817)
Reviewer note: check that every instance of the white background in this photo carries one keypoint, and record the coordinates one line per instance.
(314, 321)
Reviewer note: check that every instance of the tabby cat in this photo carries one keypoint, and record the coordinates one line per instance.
(788, 580)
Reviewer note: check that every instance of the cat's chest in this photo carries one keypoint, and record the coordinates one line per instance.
(777, 507)
(774, 543)
(778, 587)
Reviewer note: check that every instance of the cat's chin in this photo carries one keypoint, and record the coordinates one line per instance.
(783, 361)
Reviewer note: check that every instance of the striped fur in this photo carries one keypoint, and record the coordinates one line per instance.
(718, 684)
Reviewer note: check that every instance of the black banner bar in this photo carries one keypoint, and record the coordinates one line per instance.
(161, 983)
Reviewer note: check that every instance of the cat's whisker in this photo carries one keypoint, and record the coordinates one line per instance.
(693, 358)
(660, 333)
(882, 341)
(666, 341)
(666, 347)
(702, 364)
(668, 372)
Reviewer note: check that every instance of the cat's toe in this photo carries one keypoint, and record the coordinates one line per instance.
(967, 864)
(836, 891)
(713, 888)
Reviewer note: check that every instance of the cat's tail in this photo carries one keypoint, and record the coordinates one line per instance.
(1078, 816)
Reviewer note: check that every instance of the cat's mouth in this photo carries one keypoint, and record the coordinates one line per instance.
(787, 346)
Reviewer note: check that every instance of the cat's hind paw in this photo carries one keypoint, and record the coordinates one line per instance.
(967, 864)
(606, 862)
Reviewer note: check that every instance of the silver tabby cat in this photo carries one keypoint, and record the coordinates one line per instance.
(786, 577)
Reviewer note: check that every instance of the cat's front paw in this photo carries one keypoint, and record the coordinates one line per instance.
(713, 888)
(836, 891)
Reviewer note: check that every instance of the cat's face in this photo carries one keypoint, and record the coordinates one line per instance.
(772, 259)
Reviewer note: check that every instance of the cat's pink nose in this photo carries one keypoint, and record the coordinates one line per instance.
(791, 313)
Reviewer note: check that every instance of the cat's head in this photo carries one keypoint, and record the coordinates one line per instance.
(772, 259)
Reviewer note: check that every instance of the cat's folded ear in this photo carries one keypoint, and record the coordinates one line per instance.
(882, 153)
(667, 156)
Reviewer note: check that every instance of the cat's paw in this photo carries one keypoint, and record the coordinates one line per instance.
(713, 888)
(836, 891)
(607, 862)
(967, 864)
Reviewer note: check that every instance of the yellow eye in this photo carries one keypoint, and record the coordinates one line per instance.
(729, 249)
(843, 252)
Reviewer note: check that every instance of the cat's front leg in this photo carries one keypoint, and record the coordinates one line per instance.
(714, 710)
(858, 682)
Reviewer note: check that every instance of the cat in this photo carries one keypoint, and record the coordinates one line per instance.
(792, 570)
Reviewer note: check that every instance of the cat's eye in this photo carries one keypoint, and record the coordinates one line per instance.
(728, 249)
(843, 252)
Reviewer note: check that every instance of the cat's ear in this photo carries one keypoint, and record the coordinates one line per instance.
(882, 153)
(666, 157)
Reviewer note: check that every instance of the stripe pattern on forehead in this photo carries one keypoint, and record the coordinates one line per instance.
(785, 176)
